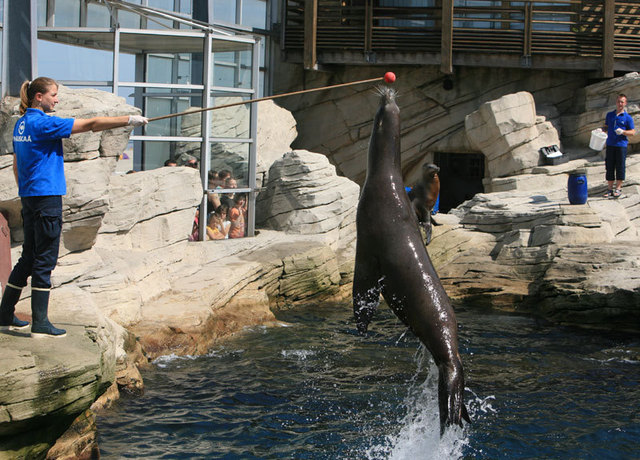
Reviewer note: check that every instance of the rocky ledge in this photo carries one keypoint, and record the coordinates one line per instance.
(532, 251)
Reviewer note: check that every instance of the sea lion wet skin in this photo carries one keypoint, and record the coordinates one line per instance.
(392, 260)
(423, 196)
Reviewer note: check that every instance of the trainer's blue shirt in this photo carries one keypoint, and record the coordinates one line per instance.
(613, 122)
(37, 143)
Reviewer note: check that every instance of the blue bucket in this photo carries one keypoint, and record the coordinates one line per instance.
(577, 187)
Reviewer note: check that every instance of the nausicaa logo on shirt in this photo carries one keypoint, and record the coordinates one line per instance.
(21, 138)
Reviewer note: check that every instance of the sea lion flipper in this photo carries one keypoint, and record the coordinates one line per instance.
(450, 395)
(366, 295)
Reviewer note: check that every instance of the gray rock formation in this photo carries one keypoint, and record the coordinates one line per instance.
(45, 384)
(531, 251)
(509, 134)
(337, 123)
(305, 196)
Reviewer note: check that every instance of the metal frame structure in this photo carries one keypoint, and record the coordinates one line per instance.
(198, 37)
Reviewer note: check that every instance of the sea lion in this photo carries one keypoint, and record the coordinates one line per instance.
(423, 196)
(391, 259)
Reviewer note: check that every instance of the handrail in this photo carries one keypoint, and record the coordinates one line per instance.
(575, 28)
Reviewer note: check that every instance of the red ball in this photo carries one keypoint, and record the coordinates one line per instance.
(389, 77)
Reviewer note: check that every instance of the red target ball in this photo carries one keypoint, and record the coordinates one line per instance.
(389, 77)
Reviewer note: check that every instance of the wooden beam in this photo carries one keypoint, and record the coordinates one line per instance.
(368, 27)
(310, 34)
(608, 49)
(446, 63)
(528, 17)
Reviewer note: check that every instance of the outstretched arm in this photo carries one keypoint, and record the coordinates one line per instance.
(15, 168)
(101, 123)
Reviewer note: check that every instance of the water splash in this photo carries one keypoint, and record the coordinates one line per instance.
(418, 435)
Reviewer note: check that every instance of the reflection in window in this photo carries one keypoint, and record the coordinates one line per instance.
(224, 11)
(169, 68)
(42, 13)
(156, 153)
(67, 13)
(254, 13)
(67, 62)
(98, 16)
(232, 69)
(232, 157)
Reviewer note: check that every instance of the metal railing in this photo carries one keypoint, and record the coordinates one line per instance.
(562, 28)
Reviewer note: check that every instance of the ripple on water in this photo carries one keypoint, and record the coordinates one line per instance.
(316, 389)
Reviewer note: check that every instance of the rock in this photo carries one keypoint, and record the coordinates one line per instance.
(527, 252)
(78, 442)
(337, 123)
(150, 209)
(46, 384)
(231, 284)
(510, 135)
(304, 195)
(276, 132)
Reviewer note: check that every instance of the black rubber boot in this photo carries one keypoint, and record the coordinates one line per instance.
(39, 306)
(8, 306)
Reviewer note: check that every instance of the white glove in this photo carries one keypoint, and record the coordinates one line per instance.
(137, 120)
(619, 131)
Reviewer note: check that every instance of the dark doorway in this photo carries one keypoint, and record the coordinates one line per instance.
(460, 177)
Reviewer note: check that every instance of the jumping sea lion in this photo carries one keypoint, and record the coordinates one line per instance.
(423, 196)
(391, 259)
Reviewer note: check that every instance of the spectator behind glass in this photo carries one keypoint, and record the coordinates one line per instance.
(170, 162)
(228, 198)
(223, 212)
(212, 184)
(237, 215)
(215, 229)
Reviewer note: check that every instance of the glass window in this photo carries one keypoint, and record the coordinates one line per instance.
(67, 13)
(161, 4)
(227, 215)
(127, 67)
(231, 122)
(155, 154)
(127, 19)
(98, 16)
(67, 62)
(234, 158)
(161, 102)
(169, 68)
(233, 69)
(224, 11)
(42, 13)
(254, 13)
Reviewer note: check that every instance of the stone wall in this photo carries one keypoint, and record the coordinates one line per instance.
(337, 122)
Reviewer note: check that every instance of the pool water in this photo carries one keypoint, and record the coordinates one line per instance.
(315, 389)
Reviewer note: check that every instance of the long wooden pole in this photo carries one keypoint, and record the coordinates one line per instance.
(266, 98)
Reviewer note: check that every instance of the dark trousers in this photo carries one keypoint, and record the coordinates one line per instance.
(615, 162)
(42, 217)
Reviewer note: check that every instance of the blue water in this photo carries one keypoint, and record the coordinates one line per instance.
(314, 389)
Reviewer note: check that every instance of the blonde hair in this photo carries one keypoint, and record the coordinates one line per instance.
(29, 89)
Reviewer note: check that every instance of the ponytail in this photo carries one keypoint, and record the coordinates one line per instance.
(29, 89)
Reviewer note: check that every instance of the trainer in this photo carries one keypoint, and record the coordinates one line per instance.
(38, 165)
(618, 125)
